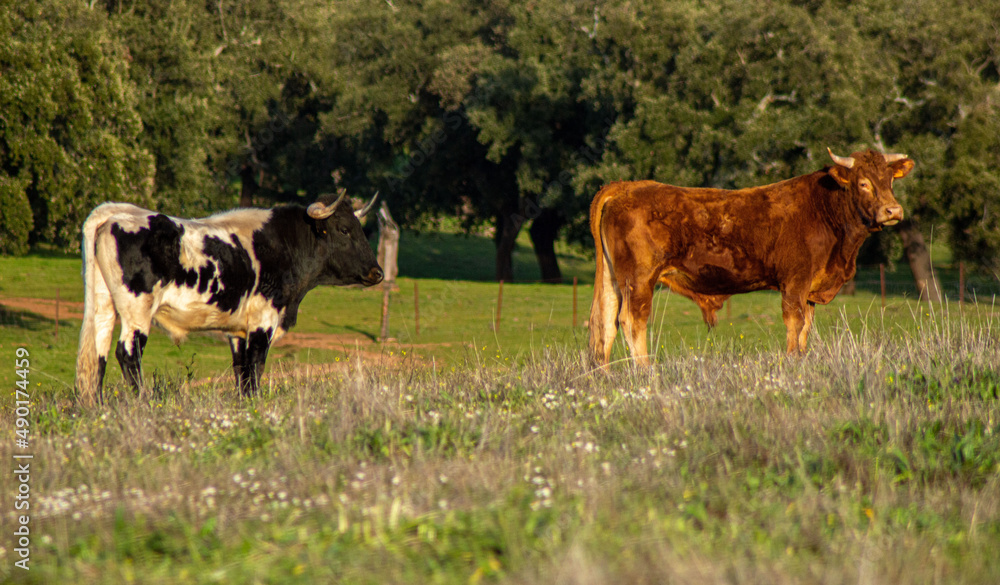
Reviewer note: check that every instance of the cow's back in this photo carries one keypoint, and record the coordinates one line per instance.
(190, 274)
(712, 241)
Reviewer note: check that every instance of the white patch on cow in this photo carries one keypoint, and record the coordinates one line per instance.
(239, 221)
(180, 309)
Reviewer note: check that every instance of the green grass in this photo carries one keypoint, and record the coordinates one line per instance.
(486, 456)
(42, 276)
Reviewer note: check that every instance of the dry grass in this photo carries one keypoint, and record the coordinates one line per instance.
(874, 459)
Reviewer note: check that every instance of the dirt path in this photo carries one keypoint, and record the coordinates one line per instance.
(44, 307)
(364, 346)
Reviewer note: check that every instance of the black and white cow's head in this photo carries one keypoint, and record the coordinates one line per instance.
(349, 258)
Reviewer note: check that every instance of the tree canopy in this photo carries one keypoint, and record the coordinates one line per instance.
(500, 113)
(69, 124)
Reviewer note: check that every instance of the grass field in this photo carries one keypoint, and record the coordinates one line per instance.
(468, 455)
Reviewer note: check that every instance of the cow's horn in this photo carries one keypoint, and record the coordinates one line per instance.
(891, 158)
(364, 211)
(844, 161)
(319, 211)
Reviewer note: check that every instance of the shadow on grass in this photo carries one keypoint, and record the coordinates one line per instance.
(368, 334)
(26, 320)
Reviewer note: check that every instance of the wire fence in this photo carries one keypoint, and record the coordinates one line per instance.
(505, 306)
(423, 309)
(954, 284)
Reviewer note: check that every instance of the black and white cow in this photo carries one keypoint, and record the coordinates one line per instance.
(243, 272)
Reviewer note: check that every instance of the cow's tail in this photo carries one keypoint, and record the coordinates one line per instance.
(605, 306)
(89, 361)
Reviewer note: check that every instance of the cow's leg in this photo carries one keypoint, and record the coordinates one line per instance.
(104, 329)
(794, 314)
(238, 345)
(603, 314)
(136, 313)
(131, 344)
(254, 353)
(96, 332)
(810, 312)
(637, 304)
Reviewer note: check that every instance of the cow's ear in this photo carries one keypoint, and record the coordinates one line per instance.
(901, 168)
(841, 175)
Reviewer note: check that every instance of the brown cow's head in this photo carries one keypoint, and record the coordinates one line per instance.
(867, 177)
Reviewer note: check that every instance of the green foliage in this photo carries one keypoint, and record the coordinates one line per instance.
(184, 114)
(971, 187)
(945, 74)
(412, 439)
(70, 130)
(15, 215)
(952, 380)
(497, 114)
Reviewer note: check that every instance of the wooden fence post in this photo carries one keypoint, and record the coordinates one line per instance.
(388, 246)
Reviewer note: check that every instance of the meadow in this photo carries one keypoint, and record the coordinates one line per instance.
(469, 454)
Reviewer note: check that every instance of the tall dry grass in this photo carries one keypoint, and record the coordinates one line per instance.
(873, 459)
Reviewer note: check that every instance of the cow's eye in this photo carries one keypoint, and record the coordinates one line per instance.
(865, 184)
(344, 230)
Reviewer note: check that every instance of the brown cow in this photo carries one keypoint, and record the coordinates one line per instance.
(799, 236)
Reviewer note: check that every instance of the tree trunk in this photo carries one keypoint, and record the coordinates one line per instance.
(388, 246)
(508, 225)
(919, 258)
(544, 230)
(248, 185)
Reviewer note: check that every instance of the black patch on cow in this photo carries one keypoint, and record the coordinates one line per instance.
(206, 278)
(291, 254)
(249, 357)
(258, 342)
(236, 273)
(291, 315)
(282, 246)
(102, 366)
(131, 362)
(151, 255)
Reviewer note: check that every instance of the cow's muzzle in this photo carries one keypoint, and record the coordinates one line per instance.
(375, 276)
(889, 215)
